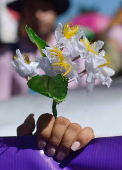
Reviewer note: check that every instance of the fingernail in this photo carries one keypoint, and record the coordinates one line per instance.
(41, 144)
(60, 155)
(28, 118)
(51, 151)
(75, 146)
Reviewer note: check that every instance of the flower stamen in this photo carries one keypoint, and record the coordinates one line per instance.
(27, 61)
(70, 31)
(107, 62)
(90, 47)
(15, 57)
(62, 61)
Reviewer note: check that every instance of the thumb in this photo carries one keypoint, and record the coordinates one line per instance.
(27, 127)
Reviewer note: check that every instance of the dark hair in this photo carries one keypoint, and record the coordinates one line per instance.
(60, 6)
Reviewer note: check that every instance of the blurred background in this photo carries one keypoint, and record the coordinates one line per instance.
(99, 19)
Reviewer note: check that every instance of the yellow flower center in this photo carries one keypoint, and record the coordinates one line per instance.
(70, 31)
(107, 63)
(15, 57)
(27, 61)
(62, 62)
(90, 47)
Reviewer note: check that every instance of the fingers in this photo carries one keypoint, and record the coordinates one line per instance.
(27, 127)
(59, 128)
(59, 136)
(67, 140)
(44, 129)
(83, 138)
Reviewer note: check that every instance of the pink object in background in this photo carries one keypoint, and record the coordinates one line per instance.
(93, 20)
(15, 14)
(115, 33)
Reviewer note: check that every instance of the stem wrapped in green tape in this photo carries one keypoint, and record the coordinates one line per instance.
(54, 109)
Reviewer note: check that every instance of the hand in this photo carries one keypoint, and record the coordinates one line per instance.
(58, 136)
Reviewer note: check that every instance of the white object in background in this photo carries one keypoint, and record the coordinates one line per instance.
(8, 25)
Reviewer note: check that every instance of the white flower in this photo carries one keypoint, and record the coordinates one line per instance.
(62, 64)
(68, 37)
(100, 71)
(86, 48)
(94, 60)
(95, 63)
(45, 65)
(27, 69)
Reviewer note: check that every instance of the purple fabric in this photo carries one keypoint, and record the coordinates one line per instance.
(21, 153)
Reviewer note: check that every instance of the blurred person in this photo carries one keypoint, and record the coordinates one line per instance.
(40, 15)
(43, 15)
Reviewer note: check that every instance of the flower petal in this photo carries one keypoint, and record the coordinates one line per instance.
(98, 45)
(45, 64)
(58, 32)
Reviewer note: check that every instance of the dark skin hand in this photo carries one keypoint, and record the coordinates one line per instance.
(58, 136)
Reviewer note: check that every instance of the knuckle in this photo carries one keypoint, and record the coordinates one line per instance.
(44, 116)
(55, 140)
(75, 127)
(44, 133)
(91, 131)
(62, 121)
(18, 129)
(66, 145)
(86, 137)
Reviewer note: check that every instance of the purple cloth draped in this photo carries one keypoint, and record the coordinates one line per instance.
(21, 153)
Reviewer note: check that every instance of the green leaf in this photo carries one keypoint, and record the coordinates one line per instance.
(35, 39)
(53, 87)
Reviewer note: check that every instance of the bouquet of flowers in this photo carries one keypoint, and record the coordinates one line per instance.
(58, 63)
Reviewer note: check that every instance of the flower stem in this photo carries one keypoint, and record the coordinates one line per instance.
(54, 110)
(76, 58)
